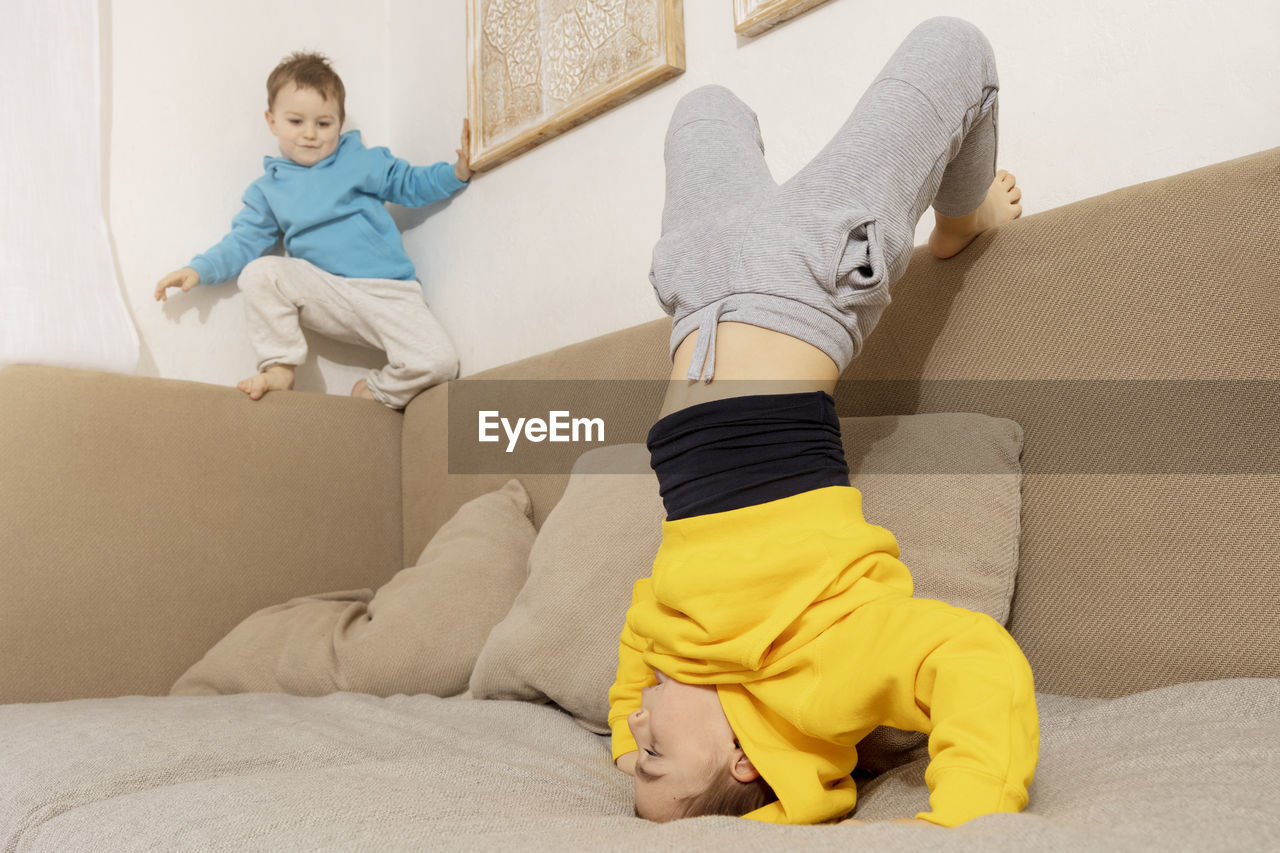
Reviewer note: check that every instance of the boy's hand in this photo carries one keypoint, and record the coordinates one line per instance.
(186, 278)
(627, 762)
(462, 168)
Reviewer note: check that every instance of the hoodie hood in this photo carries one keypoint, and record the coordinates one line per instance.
(274, 164)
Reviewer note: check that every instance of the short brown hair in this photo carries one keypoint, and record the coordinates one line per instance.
(727, 796)
(308, 70)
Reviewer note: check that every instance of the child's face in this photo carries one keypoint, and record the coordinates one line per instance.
(306, 123)
(683, 739)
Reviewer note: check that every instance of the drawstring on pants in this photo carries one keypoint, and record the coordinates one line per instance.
(703, 364)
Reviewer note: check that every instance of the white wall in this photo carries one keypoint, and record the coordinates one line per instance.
(553, 247)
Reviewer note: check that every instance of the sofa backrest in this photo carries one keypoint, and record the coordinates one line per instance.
(141, 519)
(1133, 335)
(432, 494)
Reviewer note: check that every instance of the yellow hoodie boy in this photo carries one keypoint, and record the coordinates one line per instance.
(800, 613)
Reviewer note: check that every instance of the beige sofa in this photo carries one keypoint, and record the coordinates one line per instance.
(1132, 336)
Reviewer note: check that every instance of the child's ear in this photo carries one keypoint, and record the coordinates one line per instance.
(741, 768)
(271, 122)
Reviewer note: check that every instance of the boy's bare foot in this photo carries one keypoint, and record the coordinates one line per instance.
(952, 234)
(277, 377)
(361, 390)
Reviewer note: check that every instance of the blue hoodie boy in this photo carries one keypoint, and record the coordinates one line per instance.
(330, 214)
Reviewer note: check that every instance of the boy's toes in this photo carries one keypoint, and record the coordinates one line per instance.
(254, 386)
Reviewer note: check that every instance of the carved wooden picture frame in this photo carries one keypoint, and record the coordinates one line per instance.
(536, 68)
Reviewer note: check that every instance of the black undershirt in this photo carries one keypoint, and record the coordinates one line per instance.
(741, 451)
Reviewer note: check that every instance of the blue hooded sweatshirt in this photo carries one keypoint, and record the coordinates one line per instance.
(330, 214)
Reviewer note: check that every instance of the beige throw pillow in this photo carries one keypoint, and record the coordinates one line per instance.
(559, 642)
(958, 532)
(420, 633)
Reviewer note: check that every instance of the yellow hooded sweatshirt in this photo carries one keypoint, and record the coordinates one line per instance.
(801, 614)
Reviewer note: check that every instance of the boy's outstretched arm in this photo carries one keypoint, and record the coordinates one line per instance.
(254, 230)
(396, 180)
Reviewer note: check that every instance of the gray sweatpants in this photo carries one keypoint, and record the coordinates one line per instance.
(814, 257)
(284, 294)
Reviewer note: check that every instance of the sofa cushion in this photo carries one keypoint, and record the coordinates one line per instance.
(946, 484)
(420, 633)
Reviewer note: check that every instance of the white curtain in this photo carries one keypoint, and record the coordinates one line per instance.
(60, 302)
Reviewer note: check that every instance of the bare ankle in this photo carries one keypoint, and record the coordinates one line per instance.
(279, 376)
(956, 224)
(953, 233)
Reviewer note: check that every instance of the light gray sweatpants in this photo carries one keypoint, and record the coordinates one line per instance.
(283, 294)
(814, 257)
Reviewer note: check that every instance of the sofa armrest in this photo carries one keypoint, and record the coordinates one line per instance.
(141, 519)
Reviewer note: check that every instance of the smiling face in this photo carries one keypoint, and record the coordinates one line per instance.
(684, 741)
(306, 123)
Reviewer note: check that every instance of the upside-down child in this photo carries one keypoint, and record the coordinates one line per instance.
(778, 627)
(346, 274)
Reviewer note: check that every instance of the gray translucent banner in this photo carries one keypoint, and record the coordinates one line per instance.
(1070, 426)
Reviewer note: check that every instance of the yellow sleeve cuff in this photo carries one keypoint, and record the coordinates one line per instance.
(623, 742)
(960, 795)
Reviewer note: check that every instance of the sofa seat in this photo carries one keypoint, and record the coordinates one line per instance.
(1183, 767)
